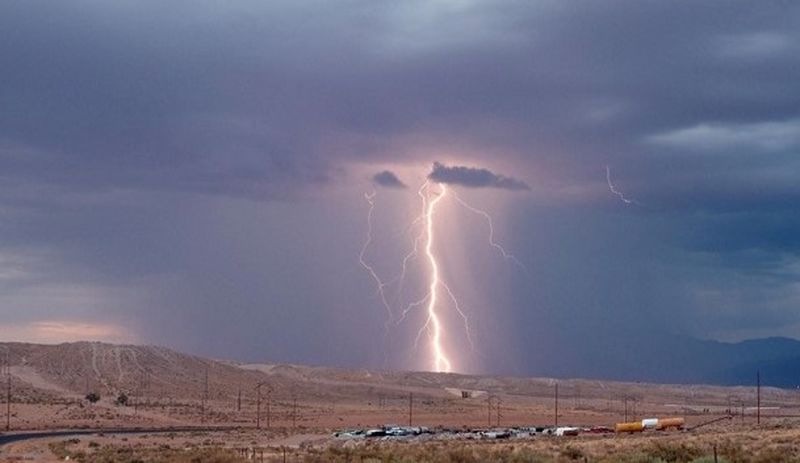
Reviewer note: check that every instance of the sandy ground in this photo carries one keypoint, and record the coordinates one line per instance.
(302, 406)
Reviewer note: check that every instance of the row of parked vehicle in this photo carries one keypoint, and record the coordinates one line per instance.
(388, 430)
(394, 431)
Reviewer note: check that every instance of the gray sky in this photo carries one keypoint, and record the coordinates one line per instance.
(192, 173)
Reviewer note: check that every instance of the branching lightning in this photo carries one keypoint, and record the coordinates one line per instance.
(614, 190)
(441, 363)
(506, 255)
(381, 286)
(424, 242)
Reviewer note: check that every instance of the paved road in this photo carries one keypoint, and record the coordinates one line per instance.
(8, 438)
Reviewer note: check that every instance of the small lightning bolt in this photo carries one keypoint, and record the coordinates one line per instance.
(370, 197)
(506, 255)
(415, 248)
(614, 188)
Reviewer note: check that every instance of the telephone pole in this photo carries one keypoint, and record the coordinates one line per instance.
(8, 399)
(294, 410)
(556, 398)
(489, 411)
(410, 407)
(205, 397)
(758, 397)
(258, 404)
(499, 414)
(8, 390)
(625, 399)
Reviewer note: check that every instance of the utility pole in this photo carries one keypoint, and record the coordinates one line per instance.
(8, 391)
(144, 386)
(489, 411)
(258, 404)
(205, 397)
(758, 397)
(556, 420)
(294, 410)
(410, 408)
(741, 404)
(239, 400)
(625, 401)
(8, 401)
(499, 414)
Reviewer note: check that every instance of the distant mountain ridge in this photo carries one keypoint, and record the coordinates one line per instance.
(678, 359)
(663, 359)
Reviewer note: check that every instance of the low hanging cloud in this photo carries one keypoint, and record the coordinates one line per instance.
(472, 177)
(388, 179)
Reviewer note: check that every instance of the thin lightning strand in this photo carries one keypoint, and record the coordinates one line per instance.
(506, 255)
(614, 190)
(408, 309)
(370, 197)
(441, 363)
(461, 313)
(415, 249)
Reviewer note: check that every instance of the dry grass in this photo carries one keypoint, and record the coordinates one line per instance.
(732, 446)
(141, 454)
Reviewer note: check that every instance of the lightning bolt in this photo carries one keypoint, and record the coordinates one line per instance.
(370, 197)
(414, 250)
(506, 255)
(441, 362)
(614, 190)
(438, 291)
(433, 324)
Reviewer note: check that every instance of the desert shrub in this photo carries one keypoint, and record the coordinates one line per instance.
(775, 454)
(674, 452)
(572, 452)
(113, 454)
(637, 457)
(62, 450)
(59, 449)
(430, 453)
(733, 453)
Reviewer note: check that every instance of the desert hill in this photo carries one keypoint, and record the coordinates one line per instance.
(165, 387)
(77, 368)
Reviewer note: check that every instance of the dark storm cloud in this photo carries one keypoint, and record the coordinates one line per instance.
(130, 133)
(473, 177)
(234, 101)
(388, 179)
